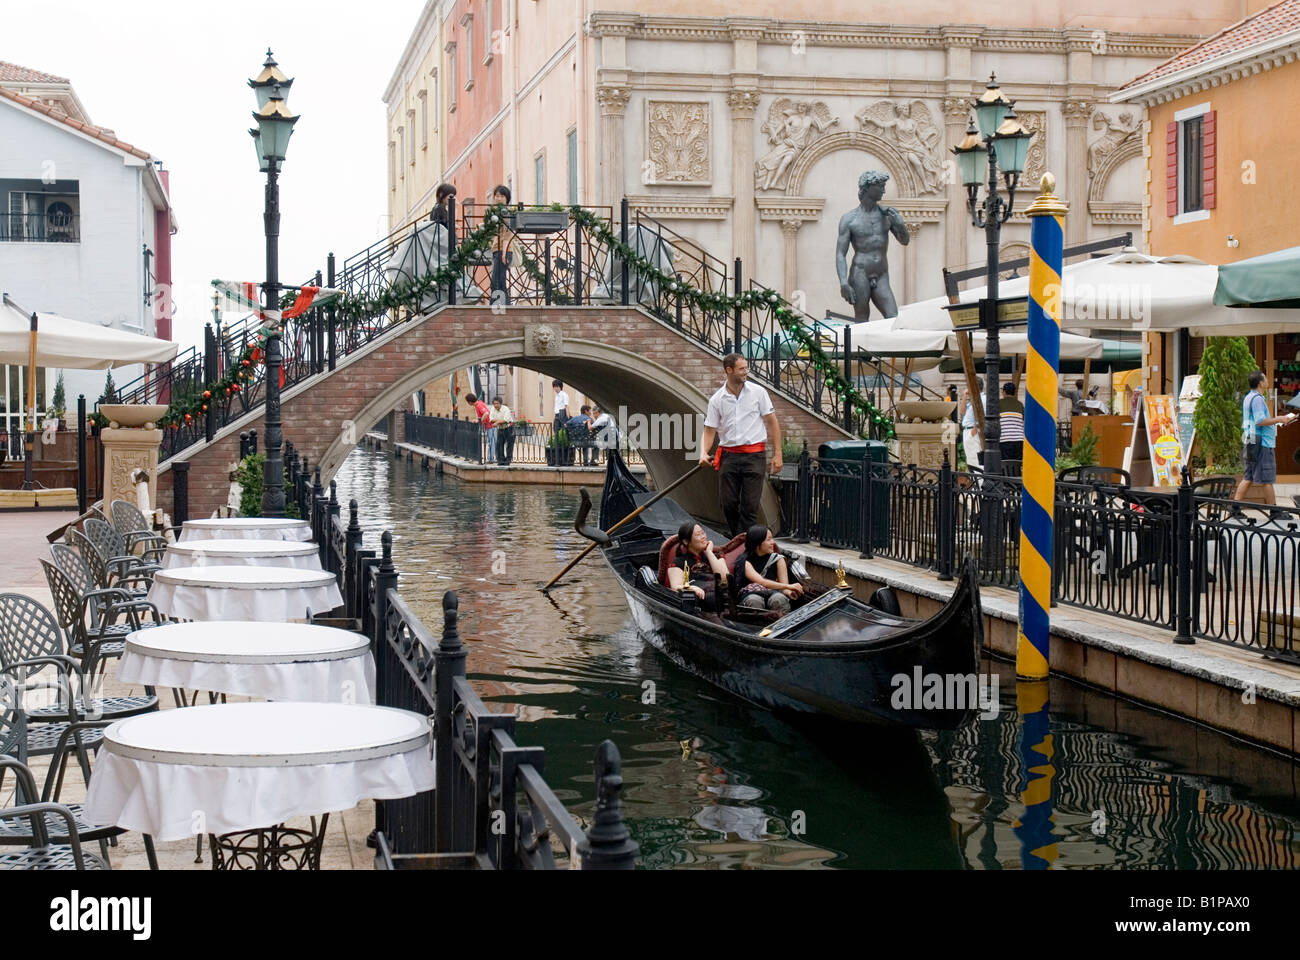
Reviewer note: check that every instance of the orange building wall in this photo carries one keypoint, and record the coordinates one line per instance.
(476, 172)
(1258, 135)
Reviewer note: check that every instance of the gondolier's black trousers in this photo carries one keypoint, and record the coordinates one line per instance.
(740, 488)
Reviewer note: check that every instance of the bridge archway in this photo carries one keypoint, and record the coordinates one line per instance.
(624, 383)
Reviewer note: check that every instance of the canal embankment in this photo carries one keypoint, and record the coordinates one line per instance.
(472, 472)
(1232, 690)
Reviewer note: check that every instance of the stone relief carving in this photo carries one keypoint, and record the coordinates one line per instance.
(790, 127)
(1035, 121)
(542, 340)
(1118, 131)
(677, 141)
(916, 135)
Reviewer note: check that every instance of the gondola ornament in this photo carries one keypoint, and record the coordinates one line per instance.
(841, 581)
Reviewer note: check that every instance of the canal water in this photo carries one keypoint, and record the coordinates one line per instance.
(713, 782)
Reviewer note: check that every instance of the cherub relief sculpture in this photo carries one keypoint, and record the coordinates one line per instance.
(790, 127)
(915, 134)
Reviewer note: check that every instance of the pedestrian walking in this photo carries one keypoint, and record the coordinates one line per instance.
(1259, 440)
(971, 441)
(503, 422)
(561, 405)
(1011, 424)
(741, 419)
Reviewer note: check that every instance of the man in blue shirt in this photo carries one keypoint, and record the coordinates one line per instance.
(1259, 440)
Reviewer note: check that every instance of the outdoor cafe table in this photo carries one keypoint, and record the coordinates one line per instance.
(246, 528)
(240, 770)
(275, 661)
(243, 593)
(252, 553)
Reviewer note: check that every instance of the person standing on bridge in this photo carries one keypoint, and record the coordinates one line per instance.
(502, 253)
(742, 419)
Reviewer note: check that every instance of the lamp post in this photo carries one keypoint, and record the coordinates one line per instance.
(271, 135)
(1000, 141)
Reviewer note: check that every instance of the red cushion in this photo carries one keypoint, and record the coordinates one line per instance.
(666, 554)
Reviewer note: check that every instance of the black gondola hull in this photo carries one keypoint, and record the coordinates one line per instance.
(850, 662)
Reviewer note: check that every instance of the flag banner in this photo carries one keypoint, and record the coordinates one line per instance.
(309, 297)
(238, 297)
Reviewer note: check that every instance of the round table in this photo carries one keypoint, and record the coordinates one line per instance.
(250, 553)
(243, 593)
(233, 767)
(277, 661)
(246, 528)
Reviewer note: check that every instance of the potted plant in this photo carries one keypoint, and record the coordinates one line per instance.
(58, 403)
(565, 457)
(553, 450)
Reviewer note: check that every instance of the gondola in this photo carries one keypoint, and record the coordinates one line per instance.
(832, 657)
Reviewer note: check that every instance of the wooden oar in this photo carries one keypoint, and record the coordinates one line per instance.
(635, 513)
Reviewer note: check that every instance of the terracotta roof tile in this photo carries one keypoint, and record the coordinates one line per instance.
(99, 133)
(1270, 23)
(13, 73)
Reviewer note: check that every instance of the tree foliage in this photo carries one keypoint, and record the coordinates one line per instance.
(1225, 370)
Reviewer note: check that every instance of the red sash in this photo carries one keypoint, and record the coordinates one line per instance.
(745, 448)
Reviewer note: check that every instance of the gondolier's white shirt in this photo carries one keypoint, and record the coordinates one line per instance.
(561, 402)
(739, 419)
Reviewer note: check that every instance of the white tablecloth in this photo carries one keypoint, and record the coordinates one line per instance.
(242, 553)
(246, 528)
(278, 661)
(243, 593)
(242, 766)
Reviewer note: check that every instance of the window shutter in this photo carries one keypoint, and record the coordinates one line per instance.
(1171, 169)
(1209, 139)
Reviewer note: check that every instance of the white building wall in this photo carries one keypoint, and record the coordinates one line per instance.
(101, 278)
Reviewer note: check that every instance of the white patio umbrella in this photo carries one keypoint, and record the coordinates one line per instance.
(1013, 343)
(1126, 290)
(49, 340)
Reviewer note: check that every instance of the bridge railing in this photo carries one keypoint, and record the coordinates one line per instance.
(491, 807)
(533, 442)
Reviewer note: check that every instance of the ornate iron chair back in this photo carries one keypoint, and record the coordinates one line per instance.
(27, 631)
(67, 604)
(72, 561)
(106, 539)
(92, 561)
(127, 518)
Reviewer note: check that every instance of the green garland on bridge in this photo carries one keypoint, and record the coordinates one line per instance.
(717, 301)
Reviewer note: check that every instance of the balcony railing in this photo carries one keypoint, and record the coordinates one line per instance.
(40, 228)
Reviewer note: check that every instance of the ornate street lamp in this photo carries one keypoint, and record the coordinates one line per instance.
(999, 141)
(271, 137)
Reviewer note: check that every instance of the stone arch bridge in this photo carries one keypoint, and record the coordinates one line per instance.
(619, 356)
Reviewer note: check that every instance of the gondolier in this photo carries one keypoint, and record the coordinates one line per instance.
(741, 419)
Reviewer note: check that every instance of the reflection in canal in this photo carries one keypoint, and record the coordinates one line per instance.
(712, 782)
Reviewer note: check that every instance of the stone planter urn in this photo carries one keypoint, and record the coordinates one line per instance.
(130, 443)
(924, 431)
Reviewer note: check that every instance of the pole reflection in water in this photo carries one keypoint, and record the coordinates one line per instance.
(753, 790)
(1035, 826)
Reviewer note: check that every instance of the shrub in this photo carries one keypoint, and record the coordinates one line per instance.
(1225, 369)
(249, 477)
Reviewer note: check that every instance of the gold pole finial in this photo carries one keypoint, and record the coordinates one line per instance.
(1047, 204)
(840, 581)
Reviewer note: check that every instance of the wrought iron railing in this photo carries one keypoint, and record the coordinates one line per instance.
(577, 263)
(1203, 567)
(490, 808)
(40, 228)
(531, 443)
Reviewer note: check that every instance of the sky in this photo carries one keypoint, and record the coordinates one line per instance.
(171, 78)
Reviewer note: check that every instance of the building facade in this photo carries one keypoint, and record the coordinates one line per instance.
(746, 135)
(86, 228)
(1220, 181)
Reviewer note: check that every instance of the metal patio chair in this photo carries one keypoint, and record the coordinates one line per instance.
(28, 630)
(136, 532)
(103, 636)
(136, 582)
(60, 828)
(112, 547)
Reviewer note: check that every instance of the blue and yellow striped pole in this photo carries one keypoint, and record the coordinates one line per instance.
(1046, 241)
(1036, 827)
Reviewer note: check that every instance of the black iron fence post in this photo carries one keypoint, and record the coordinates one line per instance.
(448, 664)
(736, 319)
(252, 441)
(81, 453)
(210, 376)
(947, 531)
(385, 580)
(608, 844)
(866, 496)
(1184, 531)
(805, 495)
(352, 542)
(577, 263)
(681, 298)
(546, 271)
(180, 492)
(451, 248)
(848, 376)
(331, 312)
(623, 255)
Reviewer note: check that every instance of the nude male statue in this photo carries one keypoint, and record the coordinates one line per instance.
(868, 227)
